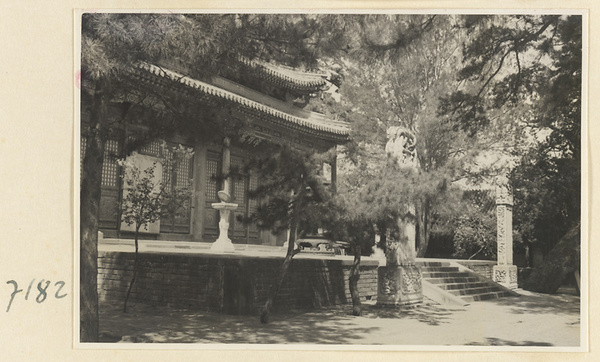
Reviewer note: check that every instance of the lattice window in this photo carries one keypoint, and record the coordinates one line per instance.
(109, 167)
(167, 167)
(253, 202)
(177, 172)
(212, 169)
(153, 148)
(183, 171)
(239, 184)
(239, 191)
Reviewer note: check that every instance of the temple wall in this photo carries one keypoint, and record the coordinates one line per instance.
(229, 284)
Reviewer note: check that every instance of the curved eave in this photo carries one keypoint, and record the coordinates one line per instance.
(316, 124)
(286, 77)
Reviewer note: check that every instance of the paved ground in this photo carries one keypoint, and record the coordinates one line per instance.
(529, 320)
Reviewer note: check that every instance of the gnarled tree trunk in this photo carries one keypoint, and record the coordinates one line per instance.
(353, 281)
(563, 260)
(91, 179)
(422, 214)
(135, 267)
(264, 316)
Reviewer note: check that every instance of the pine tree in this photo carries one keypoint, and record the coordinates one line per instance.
(292, 193)
(401, 86)
(346, 220)
(531, 68)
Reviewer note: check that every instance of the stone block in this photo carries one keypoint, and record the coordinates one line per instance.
(506, 275)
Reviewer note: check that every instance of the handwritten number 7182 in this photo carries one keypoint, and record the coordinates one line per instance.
(42, 291)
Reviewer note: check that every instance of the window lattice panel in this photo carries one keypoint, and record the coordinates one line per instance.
(211, 182)
(153, 148)
(239, 184)
(109, 167)
(239, 191)
(253, 203)
(184, 171)
(167, 168)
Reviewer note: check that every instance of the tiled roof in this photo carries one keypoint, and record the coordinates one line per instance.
(314, 121)
(287, 77)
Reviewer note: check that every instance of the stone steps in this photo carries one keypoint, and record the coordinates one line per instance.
(429, 274)
(486, 296)
(471, 279)
(472, 291)
(453, 286)
(463, 284)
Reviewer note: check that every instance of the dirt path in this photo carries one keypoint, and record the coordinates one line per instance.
(529, 320)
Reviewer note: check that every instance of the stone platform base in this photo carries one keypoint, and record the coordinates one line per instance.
(399, 286)
(238, 284)
(506, 275)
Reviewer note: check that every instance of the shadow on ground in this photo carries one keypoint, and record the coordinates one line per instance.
(144, 324)
(428, 314)
(530, 303)
(503, 342)
(334, 325)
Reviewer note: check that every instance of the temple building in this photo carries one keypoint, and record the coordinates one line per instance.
(269, 100)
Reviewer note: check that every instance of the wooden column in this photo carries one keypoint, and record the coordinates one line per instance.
(226, 165)
(197, 213)
(334, 172)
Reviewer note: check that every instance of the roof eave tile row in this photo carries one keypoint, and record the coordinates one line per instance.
(288, 78)
(337, 128)
(338, 138)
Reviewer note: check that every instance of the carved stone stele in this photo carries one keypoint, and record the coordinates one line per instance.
(399, 281)
(505, 272)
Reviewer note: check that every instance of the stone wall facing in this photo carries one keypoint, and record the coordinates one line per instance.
(481, 267)
(229, 284)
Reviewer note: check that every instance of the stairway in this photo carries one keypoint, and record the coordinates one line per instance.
(448, 284)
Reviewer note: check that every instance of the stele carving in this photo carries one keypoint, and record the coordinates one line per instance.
(500, 276)
(411, 281)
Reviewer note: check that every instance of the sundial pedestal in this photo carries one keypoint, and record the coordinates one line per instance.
(223, 244)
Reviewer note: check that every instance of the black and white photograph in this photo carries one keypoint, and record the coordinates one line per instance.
(374, 180)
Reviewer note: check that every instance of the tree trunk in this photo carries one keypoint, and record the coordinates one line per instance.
(353, 281)
(477, 252)
(422, 212)
(561, 262)
(91, 178)
(264, 316)
(135, 262)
